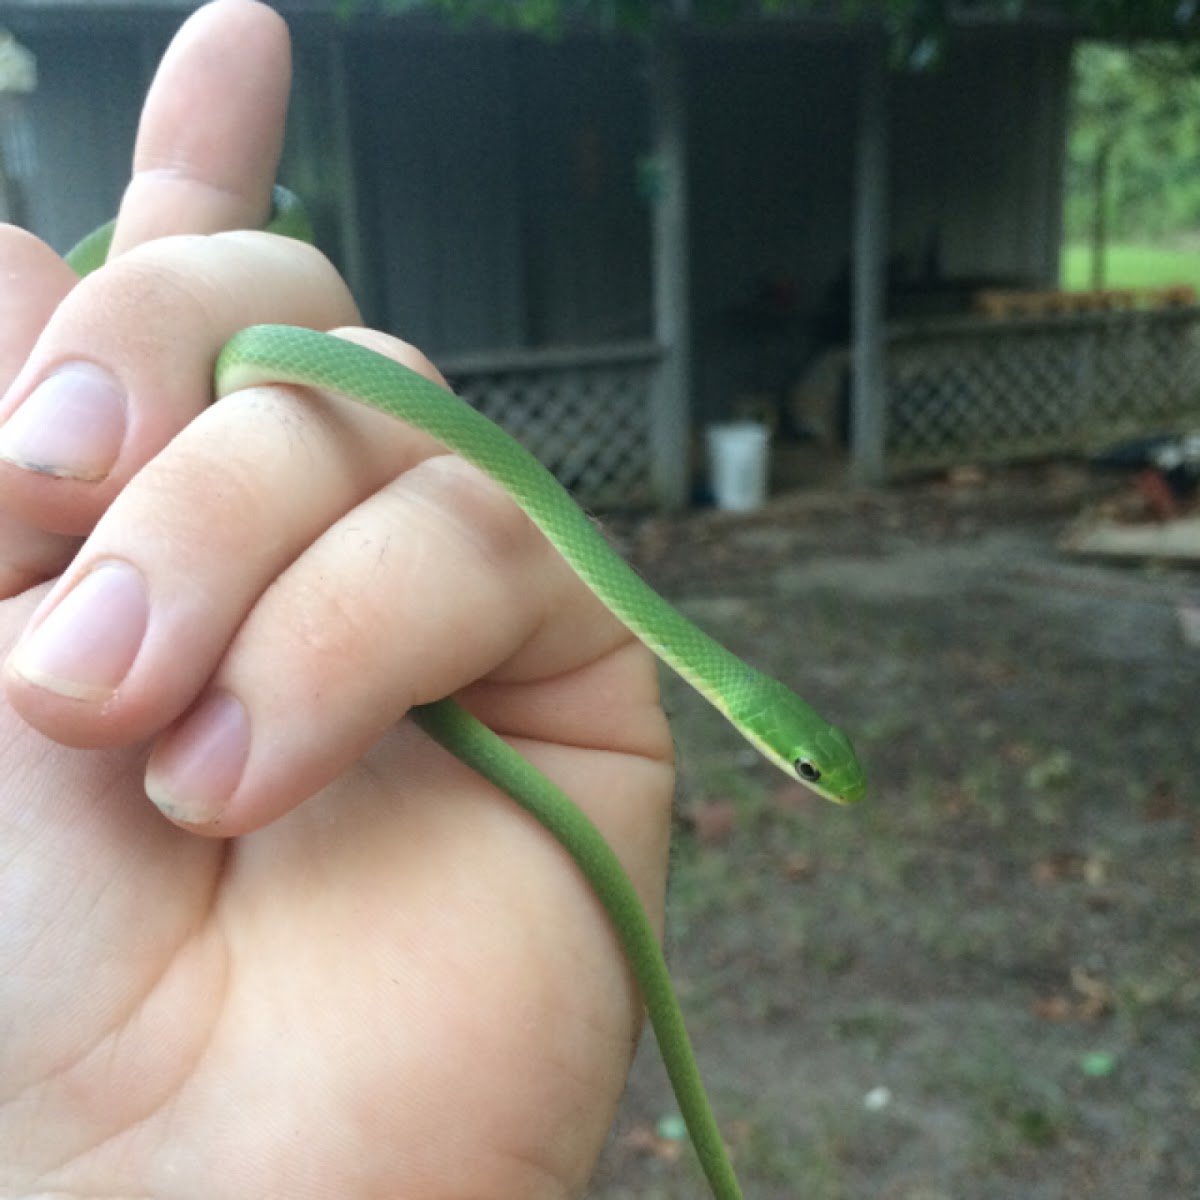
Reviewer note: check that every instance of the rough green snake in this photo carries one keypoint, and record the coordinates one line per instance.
(769, 715)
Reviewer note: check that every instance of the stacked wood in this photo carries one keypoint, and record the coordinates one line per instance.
(1004, 303)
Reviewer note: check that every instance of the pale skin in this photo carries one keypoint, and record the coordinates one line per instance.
(339, 965)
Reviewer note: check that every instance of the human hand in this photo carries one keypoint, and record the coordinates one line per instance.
(377, 977)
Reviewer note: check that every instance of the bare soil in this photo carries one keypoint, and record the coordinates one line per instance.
(983, 982)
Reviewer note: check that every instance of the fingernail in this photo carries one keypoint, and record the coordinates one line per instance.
(83, 648)
(71, 425)
(196, 768)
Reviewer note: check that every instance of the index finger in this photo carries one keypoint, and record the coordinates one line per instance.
(211, 131)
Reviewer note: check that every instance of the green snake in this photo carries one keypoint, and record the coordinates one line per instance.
(768, 714)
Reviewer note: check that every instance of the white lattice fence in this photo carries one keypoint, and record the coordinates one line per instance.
(585, 412)
(987, 390)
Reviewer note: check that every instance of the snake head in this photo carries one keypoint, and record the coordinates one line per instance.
(827, 764)
(788, 731)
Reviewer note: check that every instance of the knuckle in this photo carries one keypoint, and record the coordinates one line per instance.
(405, 353)
(139, 292)
(465, 506)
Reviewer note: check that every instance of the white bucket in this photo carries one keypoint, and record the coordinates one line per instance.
(738, 461)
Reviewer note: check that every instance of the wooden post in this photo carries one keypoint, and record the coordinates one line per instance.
(668, 188)
(868, 395)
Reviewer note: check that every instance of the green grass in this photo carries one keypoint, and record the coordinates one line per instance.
(1131, 265)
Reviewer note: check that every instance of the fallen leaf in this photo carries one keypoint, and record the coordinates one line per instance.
(793, 798)
(739, 1132)
(1053, 1008)
(1052, 771)
(1096, 868)
(797, 867)
(643, 1140)
(952, 800)
(1163, 803)
(713, 821)
(1021, 753)
(1098, 997)
(1054, 868)
(1094, 999)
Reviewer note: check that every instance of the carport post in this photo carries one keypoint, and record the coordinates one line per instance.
(868, 390)
(671, 396)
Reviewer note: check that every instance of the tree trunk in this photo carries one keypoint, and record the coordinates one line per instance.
(1100, 181)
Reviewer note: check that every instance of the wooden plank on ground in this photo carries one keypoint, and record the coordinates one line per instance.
(1177, 540)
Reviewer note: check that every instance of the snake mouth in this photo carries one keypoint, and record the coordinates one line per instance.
(852, 794)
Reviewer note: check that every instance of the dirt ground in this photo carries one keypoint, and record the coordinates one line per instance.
(983, 983)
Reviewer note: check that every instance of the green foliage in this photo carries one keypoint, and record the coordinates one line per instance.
(1131, 265)
(1138, 112)
(919, 29)
(1122, 20)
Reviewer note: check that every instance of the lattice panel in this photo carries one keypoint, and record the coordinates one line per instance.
(989, 390)
(590, 424)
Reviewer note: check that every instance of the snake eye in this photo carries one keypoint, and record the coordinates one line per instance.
(807, 771)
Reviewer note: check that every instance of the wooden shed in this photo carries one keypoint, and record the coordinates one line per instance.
(606, 242)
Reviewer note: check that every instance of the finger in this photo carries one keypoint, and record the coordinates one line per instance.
(211, 131)
(127, 359)
(36, 281)
(330, 592)
(124, 642)
(430, 584)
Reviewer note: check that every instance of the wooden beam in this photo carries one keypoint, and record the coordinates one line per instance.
(868, 398)
(671, 417)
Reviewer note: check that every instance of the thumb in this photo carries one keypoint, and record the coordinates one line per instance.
(211, 132)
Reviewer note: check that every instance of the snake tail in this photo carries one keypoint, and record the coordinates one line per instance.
(489, 755)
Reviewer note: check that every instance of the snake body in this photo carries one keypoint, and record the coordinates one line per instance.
(772, 717)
